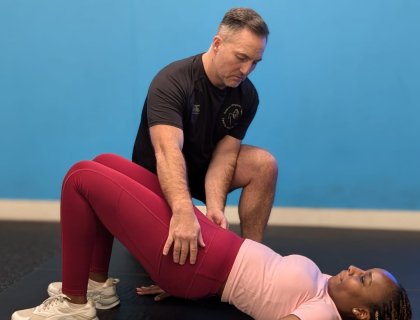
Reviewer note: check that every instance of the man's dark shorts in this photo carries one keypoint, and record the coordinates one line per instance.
(196, 182)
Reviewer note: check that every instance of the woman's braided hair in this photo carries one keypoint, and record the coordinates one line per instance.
(397, 308)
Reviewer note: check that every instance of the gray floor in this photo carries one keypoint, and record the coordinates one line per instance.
(30, 259)
(23, 247)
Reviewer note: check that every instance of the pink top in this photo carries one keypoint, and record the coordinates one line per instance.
(267, 286)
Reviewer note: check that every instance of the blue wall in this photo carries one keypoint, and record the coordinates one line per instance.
(339, 89)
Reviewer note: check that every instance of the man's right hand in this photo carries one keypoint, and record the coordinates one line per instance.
(185, 236)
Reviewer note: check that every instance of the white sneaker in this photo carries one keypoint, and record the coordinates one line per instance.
(58, 308)
(104, 295)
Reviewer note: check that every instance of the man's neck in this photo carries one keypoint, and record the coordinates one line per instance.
(209, 69)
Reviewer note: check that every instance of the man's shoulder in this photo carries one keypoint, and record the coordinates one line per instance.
(247, 91)
(183, 64)
(180, 73)
(247, 86)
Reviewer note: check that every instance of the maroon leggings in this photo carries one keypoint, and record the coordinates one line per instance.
(111, 196)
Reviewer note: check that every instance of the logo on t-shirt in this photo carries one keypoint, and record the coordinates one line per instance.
(231, 116)
(196, 109)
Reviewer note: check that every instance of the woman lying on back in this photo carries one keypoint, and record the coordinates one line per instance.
(113, 197)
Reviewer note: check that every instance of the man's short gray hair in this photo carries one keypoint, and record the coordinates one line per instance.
(237, 19)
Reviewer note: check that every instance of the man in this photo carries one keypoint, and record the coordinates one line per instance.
(195, 115)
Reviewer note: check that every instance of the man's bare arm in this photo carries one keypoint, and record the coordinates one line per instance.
(219, 178)
(184, 231)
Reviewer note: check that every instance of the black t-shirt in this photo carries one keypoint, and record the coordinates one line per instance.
(181, 95)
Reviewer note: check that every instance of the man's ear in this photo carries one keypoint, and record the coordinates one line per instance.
(217, 40)
(361, 313)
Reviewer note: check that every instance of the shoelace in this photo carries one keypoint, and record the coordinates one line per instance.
(52, 301)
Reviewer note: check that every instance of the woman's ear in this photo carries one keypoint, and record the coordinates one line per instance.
(361, 313)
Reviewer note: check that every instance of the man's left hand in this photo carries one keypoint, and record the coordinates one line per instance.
(218, 217)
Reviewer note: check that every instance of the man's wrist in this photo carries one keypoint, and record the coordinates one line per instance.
(215, 208)
(182, 208)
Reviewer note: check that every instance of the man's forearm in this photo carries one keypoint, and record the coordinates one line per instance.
(184, 234)
(171, 171)
(218, 181)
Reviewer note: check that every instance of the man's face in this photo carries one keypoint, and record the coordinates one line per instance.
(357, 288)
(236, 57)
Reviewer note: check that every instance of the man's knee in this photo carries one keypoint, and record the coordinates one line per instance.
(268, 161)
(262, 160)
(255, 163)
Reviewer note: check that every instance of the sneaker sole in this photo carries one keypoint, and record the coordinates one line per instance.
(97, 304)
(108, 306)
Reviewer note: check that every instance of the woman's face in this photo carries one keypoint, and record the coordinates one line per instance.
(357, 288)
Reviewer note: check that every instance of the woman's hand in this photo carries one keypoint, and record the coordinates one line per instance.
(151, 290)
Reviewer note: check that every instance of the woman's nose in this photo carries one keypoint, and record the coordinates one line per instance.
(353, 270)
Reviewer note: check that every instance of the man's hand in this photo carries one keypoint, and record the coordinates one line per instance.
(152, 289)
(218, 217)
(185, 235)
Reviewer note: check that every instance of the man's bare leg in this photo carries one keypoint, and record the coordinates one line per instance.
(256, 173)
